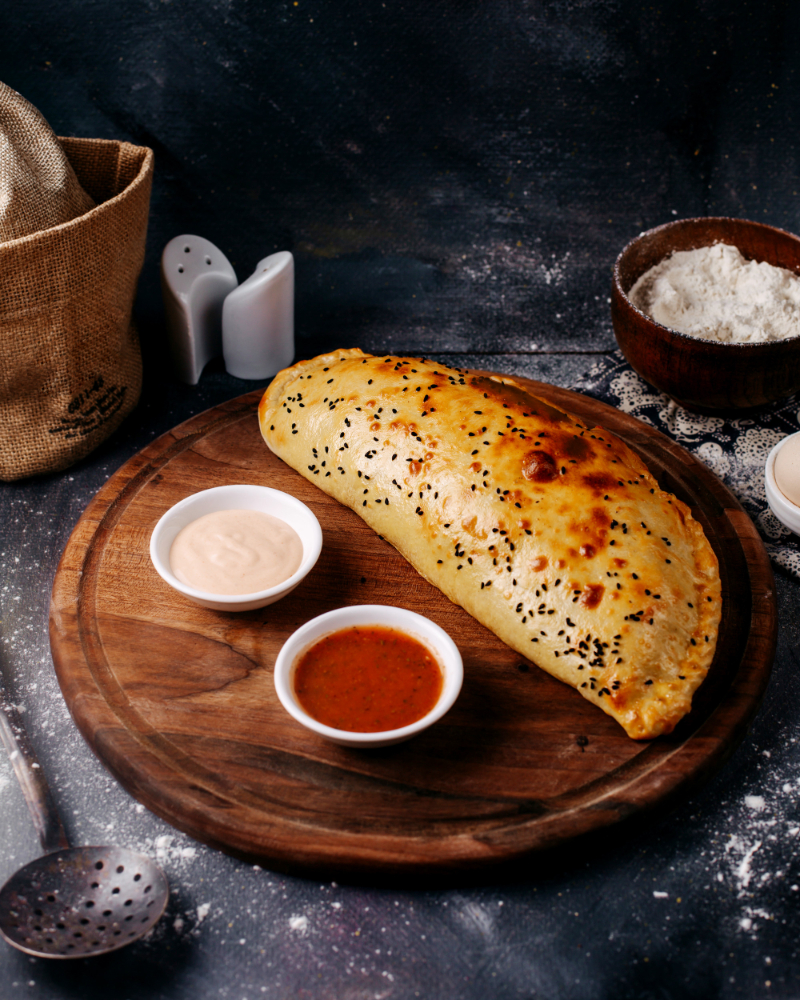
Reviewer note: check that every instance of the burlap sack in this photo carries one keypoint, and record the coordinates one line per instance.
(70, 366)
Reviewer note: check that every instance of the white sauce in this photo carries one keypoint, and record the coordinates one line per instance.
(715, 294)
(787, 469)
(235, 552)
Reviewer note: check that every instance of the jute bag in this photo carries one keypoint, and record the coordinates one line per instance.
(73, 221)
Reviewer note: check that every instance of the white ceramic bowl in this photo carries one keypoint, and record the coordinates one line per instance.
(436, 639)
(786, 512)
(236, 497)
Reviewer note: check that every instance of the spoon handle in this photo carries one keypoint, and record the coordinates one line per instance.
(31, 778)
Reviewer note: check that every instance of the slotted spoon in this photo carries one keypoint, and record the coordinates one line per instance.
(74, 901)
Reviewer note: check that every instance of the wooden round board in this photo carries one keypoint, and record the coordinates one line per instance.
(179, 702)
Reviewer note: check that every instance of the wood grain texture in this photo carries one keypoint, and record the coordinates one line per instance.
(703, 375)
(178, 701)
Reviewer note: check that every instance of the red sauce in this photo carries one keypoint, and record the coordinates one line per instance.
(367, 679)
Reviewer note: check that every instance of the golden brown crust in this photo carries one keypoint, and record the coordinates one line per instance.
(552, 534)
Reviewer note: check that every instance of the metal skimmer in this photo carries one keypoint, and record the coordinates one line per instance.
(74, 901)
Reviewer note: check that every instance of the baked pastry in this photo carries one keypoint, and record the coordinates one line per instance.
(552, 534)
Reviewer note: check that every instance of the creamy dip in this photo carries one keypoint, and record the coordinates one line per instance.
(787, 469)
(235, 552)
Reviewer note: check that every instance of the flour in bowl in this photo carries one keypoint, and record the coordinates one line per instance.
(715, 294)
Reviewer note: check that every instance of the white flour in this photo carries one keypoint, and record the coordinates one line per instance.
(716, 294)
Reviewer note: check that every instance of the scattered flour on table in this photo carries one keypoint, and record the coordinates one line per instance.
(715, 294)
(748, 854)
(528, 262)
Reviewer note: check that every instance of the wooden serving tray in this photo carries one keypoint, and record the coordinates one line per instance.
(179, 702)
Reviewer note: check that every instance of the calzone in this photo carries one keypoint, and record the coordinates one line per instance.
(551, 533)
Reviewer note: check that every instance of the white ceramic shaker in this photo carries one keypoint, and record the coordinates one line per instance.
(258, 320)
(195, 279)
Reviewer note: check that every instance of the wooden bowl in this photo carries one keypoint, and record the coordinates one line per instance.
(705, 376)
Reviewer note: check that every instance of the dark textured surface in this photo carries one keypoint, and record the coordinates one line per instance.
(467, 171)
(456, 179)
(588, 927)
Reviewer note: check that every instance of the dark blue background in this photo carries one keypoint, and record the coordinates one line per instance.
(455, 176)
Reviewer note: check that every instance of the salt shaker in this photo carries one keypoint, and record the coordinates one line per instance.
(195, 279)
(258, 320)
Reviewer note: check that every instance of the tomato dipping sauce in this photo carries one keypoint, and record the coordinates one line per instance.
(367, 679)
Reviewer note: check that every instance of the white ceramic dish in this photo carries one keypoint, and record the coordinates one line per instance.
(236, 497)
(786, 512)
(420, 628)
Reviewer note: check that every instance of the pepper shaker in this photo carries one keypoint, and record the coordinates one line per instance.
(195, 279)
(258, 320)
